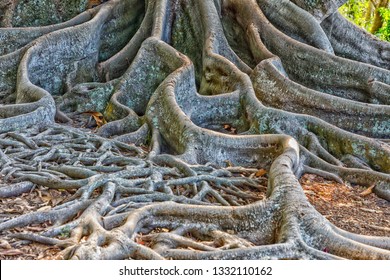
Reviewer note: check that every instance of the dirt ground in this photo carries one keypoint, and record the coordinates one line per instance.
(352, 208)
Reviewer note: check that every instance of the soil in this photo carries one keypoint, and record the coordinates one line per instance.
(352, 208)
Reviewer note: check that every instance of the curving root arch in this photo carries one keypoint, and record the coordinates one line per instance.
(301, 89)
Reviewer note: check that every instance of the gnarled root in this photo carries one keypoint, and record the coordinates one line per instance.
(175, 76)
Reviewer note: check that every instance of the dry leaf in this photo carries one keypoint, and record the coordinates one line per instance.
(93, 3)
(56, 201)
(97, 116)
(261, 172)
(46, 199)
(368, 191)
(139, 240)
(229, 128)
(309, 192)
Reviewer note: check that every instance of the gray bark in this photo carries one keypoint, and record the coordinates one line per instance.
(304, 90)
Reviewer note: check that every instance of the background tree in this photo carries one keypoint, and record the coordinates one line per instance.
(369, 14)
(217, 90)
(378, 18)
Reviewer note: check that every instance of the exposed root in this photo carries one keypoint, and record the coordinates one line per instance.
(176, 77)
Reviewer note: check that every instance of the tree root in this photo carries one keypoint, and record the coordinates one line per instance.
(175, 76)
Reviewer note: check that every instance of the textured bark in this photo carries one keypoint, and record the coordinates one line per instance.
(304, 90)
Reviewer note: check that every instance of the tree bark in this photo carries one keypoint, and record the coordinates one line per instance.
(198, 97)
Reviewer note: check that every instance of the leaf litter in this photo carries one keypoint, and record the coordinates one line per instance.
(352, 208)
(39, 199)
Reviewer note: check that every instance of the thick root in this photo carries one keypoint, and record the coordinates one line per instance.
(227, 128)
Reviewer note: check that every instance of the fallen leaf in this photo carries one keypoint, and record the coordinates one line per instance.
(368, 191)
(139, 240)
(261, 172)
(56, 201)
(46, 199)
(94, 3)
(309, 192)
(229, 128)
(98, 117)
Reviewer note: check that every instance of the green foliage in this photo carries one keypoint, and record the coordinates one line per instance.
(356, 11)
(384, 31)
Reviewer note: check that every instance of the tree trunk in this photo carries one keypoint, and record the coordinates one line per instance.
(378, 21)
(201, 99)
(368, 14)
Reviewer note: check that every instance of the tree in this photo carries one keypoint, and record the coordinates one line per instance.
(304, 90)
(368, 14)
(378, 20)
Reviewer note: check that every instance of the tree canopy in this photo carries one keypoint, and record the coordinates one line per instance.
(371, 15)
